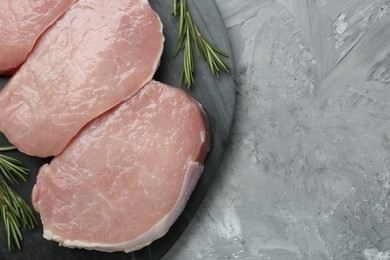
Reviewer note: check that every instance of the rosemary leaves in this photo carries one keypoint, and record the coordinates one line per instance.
(189, 35)
(16, 213)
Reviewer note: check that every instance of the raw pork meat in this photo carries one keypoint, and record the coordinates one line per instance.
(97, 55)
(21, 24)
(127, 175)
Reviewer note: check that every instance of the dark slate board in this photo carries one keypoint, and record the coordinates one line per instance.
(216, 96)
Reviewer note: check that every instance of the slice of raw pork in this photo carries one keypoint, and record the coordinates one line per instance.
(97, 55)
(123, 181)
(21, 24)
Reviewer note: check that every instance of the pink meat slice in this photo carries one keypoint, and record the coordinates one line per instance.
(97, 55)
(21, 24)
(127, 176)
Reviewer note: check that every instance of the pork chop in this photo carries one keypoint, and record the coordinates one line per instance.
(21, 24)
(97, 55)
(126, 177)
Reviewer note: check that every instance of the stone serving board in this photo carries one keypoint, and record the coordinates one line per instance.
(217, 98)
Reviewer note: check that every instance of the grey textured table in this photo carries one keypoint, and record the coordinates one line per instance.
(307, 174)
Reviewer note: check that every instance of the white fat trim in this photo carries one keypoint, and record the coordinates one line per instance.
(203, 136)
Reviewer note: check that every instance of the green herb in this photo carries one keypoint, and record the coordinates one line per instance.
(16, 213)
(189, 34)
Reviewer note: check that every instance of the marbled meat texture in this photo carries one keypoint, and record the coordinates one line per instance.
(97, 55)
(21, 24)
(127, 176)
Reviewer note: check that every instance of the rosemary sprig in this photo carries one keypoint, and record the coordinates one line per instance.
(188, 34)
(16, 213)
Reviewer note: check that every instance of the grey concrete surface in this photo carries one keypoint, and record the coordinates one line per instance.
(307, 174)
